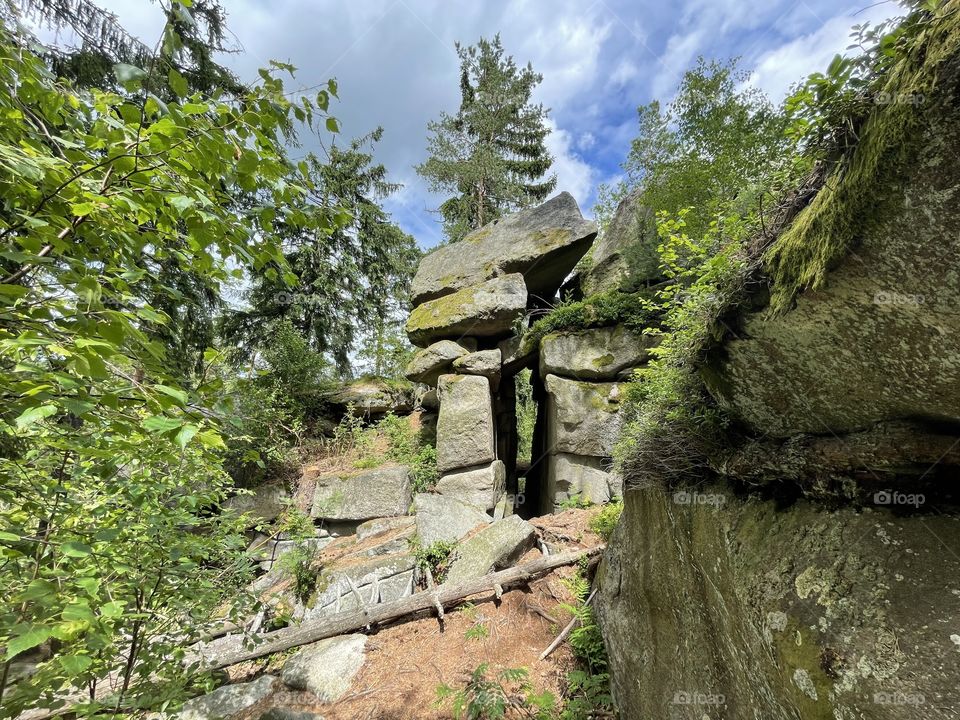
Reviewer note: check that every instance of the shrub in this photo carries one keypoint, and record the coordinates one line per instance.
(489, 696)
(435, 558)
(605, 521)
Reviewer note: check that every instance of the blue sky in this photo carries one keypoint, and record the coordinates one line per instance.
(396, 67)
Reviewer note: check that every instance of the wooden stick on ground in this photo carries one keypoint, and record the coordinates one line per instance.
(224, 652)
(566, 631)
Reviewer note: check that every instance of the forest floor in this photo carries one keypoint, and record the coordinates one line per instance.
(406, 662)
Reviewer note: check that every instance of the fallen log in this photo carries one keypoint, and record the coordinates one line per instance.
(225, 651)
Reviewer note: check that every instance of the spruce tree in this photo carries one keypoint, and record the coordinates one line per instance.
(491, 155)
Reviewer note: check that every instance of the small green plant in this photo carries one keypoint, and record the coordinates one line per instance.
(577, 502)
(477, 631)
(490, 696)
(435, 557)
(606, 520)
(298, 564)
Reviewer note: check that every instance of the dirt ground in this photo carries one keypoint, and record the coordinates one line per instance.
(406, 662)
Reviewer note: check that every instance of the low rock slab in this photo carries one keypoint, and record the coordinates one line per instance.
(432, 361)
(480, 487)
(595, 354)
(488, 309)
(543, 243)
(374, 396)
(367, 494)
(381, 525)
(327, 668)
(227, 700)
(582, 417)
(493, 548)
(282, 713)
(443, 519)
(580, 476)
(465, 425)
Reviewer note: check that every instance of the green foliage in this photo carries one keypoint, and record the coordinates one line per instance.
(491, 696)
(526, 415)
(605, 521)
(111, 456)
(491, 155)
(435, 557)
(634, 310)
(298, 564)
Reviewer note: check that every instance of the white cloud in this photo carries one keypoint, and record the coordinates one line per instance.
(573, 174)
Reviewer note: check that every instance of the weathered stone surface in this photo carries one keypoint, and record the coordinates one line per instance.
(487, 309)
(377, 578)
(430, 400)
(441, 518)
(374, 396)
(465, 426)
(326, 668)
(779, 613)
(384, 524)
(282, 713)
(367, 494)
(542, 243)
(482, 362)
(595, 354)
(626, 254)
(227, 700)
(588, 478)
(582, 417)
(493, 548)
(432, 361)
(480, 487)
(267, 550)
(515, 354)
(263, 505)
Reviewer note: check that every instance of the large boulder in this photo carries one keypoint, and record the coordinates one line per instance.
(543, 243)
(362, 495)
(740, 608)
(363, 579)
(482, 362)
(444, 519)
(488, 309)
(625, 255)
(596, 354)
(582, 417)
(326, 668)
(480, 487)
(493, 548)
(227, 700)
(432, 361)
(465, 426)
(373, 396)
(262, 505)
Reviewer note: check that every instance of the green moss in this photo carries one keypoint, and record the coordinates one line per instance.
(634, 310)
(799, 651)
(847, 205)
(603, 360)
(441, 311)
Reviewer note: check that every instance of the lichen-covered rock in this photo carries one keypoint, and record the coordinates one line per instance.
(375, 577)
(588, 478)
(625, 255)
(482, 362)
(595, 354)
(582, 417)
(488, 309)
(480, 487)
(444, 519)
(543, 243)
(263, 504)
(738, 608)
(326, 668)
(465, 425)
(227, 700)
(283, 713)
(363, 495)
(267, 550)
(381, 525)
(432, 361)
(373, 396)
(493, 548)
(516, 354)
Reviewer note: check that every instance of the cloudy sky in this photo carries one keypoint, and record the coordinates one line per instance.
(396, 67)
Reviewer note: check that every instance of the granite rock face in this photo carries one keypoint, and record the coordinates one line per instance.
(326, 668)
(582, 417)
(227, 700)
(588, 478)
(495, 547)
(432, 361)
(264, 504)
(373, 396)
(541, 243)
(480, 487)
(444, 519)
(595, 354)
